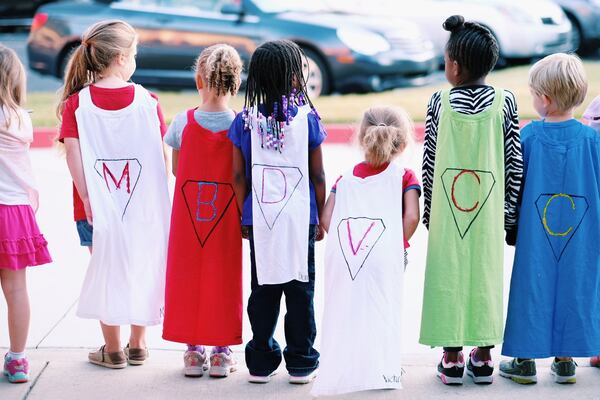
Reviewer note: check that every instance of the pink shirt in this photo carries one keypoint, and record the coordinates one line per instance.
(17, 185)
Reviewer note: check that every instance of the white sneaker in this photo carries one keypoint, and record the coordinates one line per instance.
(302, 380)
(221, 365)
(195, 363)
(260, 379)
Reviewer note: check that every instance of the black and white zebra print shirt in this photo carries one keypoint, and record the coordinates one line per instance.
(473, 100)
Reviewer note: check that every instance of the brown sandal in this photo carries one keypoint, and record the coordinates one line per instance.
(115, 360)
(135, 356)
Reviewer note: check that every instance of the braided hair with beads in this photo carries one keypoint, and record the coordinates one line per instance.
(472, 46)
(276, 84)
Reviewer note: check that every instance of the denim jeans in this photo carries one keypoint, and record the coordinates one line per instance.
(263, 354)
(85, 231)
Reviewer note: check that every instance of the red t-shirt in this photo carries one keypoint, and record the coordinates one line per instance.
(106, 99)
(363, 170)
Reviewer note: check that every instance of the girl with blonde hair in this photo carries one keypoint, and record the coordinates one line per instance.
(371, 213)
(21, 243)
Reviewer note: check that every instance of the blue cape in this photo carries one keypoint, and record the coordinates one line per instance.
(554, 304)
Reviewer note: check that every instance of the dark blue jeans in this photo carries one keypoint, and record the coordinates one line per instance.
(263, 354)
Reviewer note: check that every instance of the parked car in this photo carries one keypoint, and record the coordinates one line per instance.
(525, 29)
(585, 17)
(18, 13)
(345, 51)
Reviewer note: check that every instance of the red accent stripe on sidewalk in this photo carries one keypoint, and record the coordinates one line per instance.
(336, 134)
(340, 133)
(43, 137)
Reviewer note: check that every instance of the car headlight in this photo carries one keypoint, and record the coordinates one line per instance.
(516, 13)
(363, 41)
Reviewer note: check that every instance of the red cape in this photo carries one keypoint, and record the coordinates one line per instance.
(203, 302)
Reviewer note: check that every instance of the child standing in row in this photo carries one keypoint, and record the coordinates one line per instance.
(592, 117)
(21, 243)
(203, 304)
(112, 131)
(280, 187)
(472, 171)
(554, 303)
(371, 212)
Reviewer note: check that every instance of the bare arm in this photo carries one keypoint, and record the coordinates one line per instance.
(239, 183)
(410, 213)
(166, 158)
(328, 212)
(175, 161)
(317, 177)
(239, 178)
(75, 164)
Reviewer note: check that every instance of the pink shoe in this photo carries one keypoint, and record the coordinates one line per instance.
(595, 361)
(195, 363)
(17, 371)
(222, 364)
(482, 372)
(451, 372)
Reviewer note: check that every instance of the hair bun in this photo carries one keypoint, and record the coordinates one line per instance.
(454, 23)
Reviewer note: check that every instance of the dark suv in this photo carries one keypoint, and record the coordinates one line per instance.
(346, 52)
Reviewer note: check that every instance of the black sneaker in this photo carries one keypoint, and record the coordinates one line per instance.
(451, 373)
(564, 371)
(481, 371)
(523, 372)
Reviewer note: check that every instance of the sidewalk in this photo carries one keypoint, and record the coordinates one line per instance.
(62, 340)
(64, 374)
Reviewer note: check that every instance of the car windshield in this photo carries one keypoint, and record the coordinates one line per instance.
(364, 7)
(277, 6)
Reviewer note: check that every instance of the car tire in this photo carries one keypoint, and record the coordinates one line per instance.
(317, 82)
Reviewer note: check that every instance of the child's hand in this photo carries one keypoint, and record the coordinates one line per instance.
(88, 211)
(245, 232)
(319, 233)
(511, 237)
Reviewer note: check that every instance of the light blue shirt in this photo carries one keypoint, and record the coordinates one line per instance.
(218, 121)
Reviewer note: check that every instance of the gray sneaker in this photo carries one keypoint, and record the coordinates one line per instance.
(523, 372)
(564, 371)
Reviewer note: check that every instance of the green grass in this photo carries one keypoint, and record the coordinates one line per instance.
(345, 108)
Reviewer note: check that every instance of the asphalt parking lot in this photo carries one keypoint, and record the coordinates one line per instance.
(40, 83)
(35, 81)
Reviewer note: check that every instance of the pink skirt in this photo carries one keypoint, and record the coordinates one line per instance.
(21, 242)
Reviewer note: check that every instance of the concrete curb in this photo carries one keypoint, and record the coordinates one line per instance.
(43, 137)
(336, 134)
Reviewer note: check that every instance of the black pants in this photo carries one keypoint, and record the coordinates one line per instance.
(263, 354)
(457, 349)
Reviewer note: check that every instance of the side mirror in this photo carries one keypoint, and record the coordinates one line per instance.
(233, 8)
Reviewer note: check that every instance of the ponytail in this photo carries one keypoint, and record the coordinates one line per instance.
(220, 68)
(77, 76)
(384, 133)
(101, 44)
